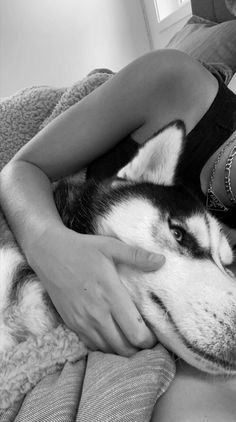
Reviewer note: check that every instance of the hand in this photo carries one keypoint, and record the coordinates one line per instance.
(79, 274)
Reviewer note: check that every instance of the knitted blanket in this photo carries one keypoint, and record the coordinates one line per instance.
(54, 378)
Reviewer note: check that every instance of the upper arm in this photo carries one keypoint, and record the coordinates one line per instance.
(139, 98)
(90, 127)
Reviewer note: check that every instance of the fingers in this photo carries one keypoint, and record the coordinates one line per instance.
(114, 325)
(95, 342)
(140, 258)
(131, 323)
(123, 309)
(109, 340)
(126, 314)
(95, 304)
(105, 336)
(114, 336)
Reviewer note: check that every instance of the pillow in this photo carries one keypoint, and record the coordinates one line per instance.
(231, 6)
(220, 70)
(210, 42)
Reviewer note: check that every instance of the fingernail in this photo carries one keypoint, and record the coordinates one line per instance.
(157, 258)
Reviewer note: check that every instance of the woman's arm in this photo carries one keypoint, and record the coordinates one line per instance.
(140, 99)
(105, 316)
(77, 270)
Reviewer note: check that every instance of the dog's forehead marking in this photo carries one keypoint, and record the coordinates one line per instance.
(131, 220)
(221, 249)
(198, 226)
(209, 234)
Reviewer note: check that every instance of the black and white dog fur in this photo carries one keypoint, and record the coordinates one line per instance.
(190, 303)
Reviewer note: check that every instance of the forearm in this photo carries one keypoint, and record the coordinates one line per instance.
(27, 201)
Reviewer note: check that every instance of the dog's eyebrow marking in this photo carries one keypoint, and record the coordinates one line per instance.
(199, 227)
(200, 353)
(212, 247)
(208, 226)
(220, 250)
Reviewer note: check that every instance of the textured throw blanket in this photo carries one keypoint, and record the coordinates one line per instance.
(54, 378)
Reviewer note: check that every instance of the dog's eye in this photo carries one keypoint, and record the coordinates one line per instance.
(178, 234)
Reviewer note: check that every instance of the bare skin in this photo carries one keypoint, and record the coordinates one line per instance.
(139, 100)
(197, 397)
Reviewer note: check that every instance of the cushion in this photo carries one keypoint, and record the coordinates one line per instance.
(211, 43)
(231, 6)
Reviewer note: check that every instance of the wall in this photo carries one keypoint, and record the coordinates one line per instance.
(56, 42)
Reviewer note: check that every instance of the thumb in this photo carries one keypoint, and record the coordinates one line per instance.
(138, 257)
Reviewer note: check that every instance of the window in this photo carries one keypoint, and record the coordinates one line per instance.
(164, 18)
(165, 8)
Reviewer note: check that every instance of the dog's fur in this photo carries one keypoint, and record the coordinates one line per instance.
(190, 303)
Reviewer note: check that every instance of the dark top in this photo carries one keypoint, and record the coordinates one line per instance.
(209, 134)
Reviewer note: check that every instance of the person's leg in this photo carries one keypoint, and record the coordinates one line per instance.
(196, 397)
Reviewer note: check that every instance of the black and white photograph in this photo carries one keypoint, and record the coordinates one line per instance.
(118, 211)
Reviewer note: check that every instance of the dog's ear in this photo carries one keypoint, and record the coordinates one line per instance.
(157, 160)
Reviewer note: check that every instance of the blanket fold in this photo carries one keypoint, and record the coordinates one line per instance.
(54, 378)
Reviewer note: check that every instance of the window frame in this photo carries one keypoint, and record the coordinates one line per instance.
(158, 29)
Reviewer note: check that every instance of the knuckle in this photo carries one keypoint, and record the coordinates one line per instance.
(140, 341)
(140, 255)
(136, 254)
(110, 241)
(97, 318)
(127, 352)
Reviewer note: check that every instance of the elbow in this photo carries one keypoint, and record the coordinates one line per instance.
(18, 176)
(12, 166)
(10, 174)
(19, 168)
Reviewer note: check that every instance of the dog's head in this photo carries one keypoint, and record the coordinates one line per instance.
(190, 303)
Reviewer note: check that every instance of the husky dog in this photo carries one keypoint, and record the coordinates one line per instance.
(190, 303)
